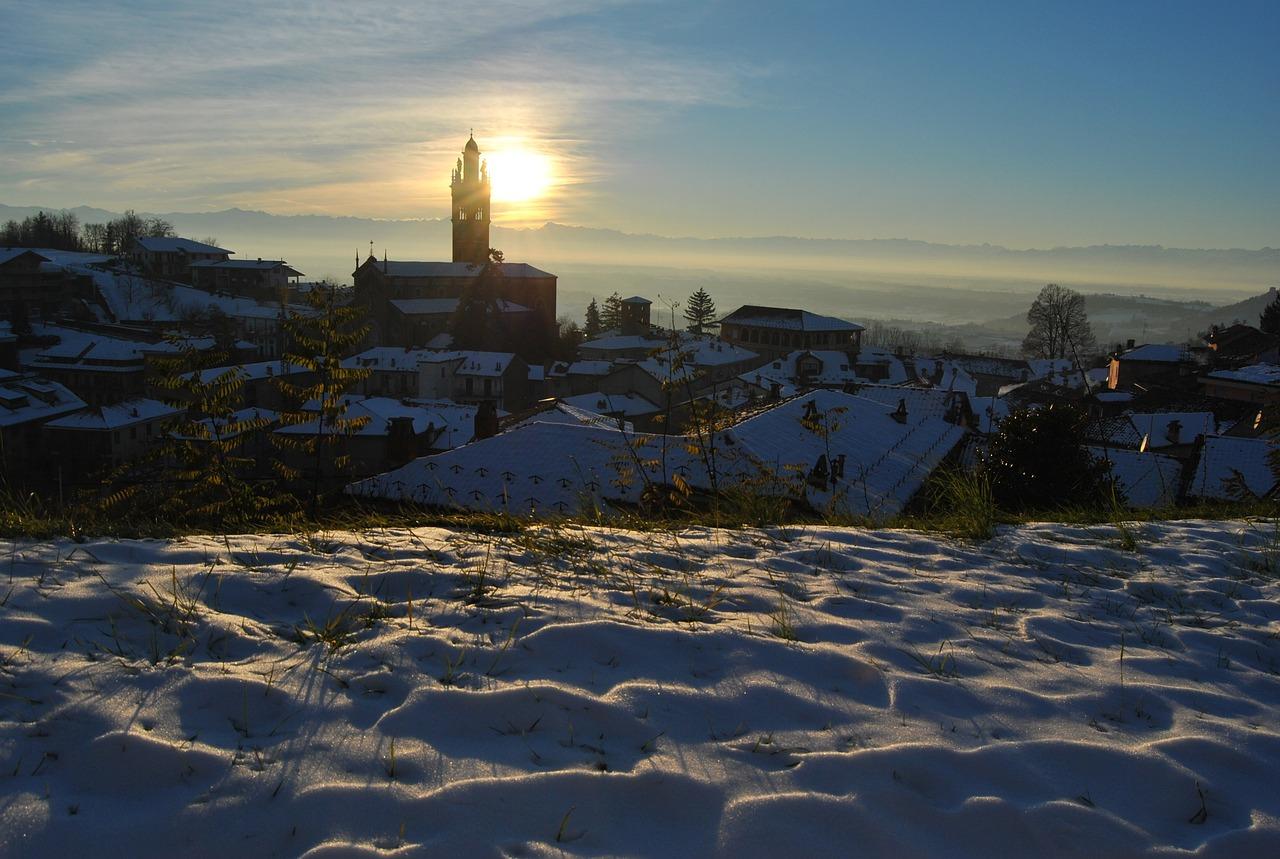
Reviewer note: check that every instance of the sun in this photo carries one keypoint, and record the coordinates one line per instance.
(518, 174)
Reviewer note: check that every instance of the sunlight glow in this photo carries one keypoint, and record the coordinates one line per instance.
(519, 174)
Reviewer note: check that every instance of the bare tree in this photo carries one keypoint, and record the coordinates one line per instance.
(1059, 325)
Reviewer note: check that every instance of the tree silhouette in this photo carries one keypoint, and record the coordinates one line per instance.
(591, 330)
(1059, 325)
(317, 341)
(700, 312)
(1269, 321)
(611, 315)
(475, 323)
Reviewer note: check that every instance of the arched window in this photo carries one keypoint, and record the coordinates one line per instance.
(479, 214)
(462, 214)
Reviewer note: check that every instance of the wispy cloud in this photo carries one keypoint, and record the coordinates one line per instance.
(318, 106)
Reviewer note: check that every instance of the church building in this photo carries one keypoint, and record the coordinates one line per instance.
(411, 303)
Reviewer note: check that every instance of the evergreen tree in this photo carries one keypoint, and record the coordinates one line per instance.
(700, 312)
(591, 330)
(1038, 461)
(200, 471)
(1269, 321)
(611, 315)
(318, 341)
(477, 321)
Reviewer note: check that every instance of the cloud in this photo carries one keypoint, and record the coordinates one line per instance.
(322, 106)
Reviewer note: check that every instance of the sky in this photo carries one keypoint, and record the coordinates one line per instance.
(1024, 124)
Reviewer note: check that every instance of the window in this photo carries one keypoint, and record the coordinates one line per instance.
(488, 387)
(479, 214)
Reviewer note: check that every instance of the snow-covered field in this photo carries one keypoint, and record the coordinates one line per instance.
(808, 691)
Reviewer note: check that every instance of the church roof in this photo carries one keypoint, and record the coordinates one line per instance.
(406, 268)
(471, 145)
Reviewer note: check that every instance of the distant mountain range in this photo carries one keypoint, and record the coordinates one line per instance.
(1133, 287)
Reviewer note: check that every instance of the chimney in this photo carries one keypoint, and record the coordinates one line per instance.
(1173, 432)
(900, 413)
(486, 423)
(1129, 344)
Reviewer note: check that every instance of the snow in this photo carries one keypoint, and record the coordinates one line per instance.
(1225, 460)
(25, 398)
(122, 414)
(171, 244)
(438, 306)
(1146, 479)
(801, 691)
(627, 405)
(562, 468)
(1255, 374)
(787, 319)
(1163, 353)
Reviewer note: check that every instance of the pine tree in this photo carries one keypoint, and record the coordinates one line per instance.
(700, 311)
(477, 321)
(1269, 321)
(591, 330)
(611, 315)
(198, 473)
(317, 342)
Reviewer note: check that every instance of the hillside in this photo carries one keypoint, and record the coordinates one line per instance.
(597, 692)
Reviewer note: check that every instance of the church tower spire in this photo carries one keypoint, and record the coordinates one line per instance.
(470, 192)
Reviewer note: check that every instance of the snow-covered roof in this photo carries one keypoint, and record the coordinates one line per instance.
(409, 268)
(989, 411)
(255, 370)
(92, 351)
(122, 414)
(787, 318)
(25, 398)
(549, 467)
(628, 405)
(945, 375)
(395, 358)
(441, 306)
(217, 427)
(1254, 374)
(1157, 427)
(455, 423)
(484, 363)
(7, 254)
(1146, 479)
(1156, 353)
(920, 402)
(247, 265)
(176, 244)
(1042, 367)
(587, 368)
(1226, 460)
(1129, 429)
(886, 462)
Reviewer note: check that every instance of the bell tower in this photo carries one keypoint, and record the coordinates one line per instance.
(470, 190)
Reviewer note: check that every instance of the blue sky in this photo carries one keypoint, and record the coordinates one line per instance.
(1018, 123)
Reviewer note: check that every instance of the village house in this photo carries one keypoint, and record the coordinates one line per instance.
(1152, 363)
(261, 280)
(108, 436)
(27, 402)
(34, 287)
(171, 257)
(775, 331)
(1256, 383)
